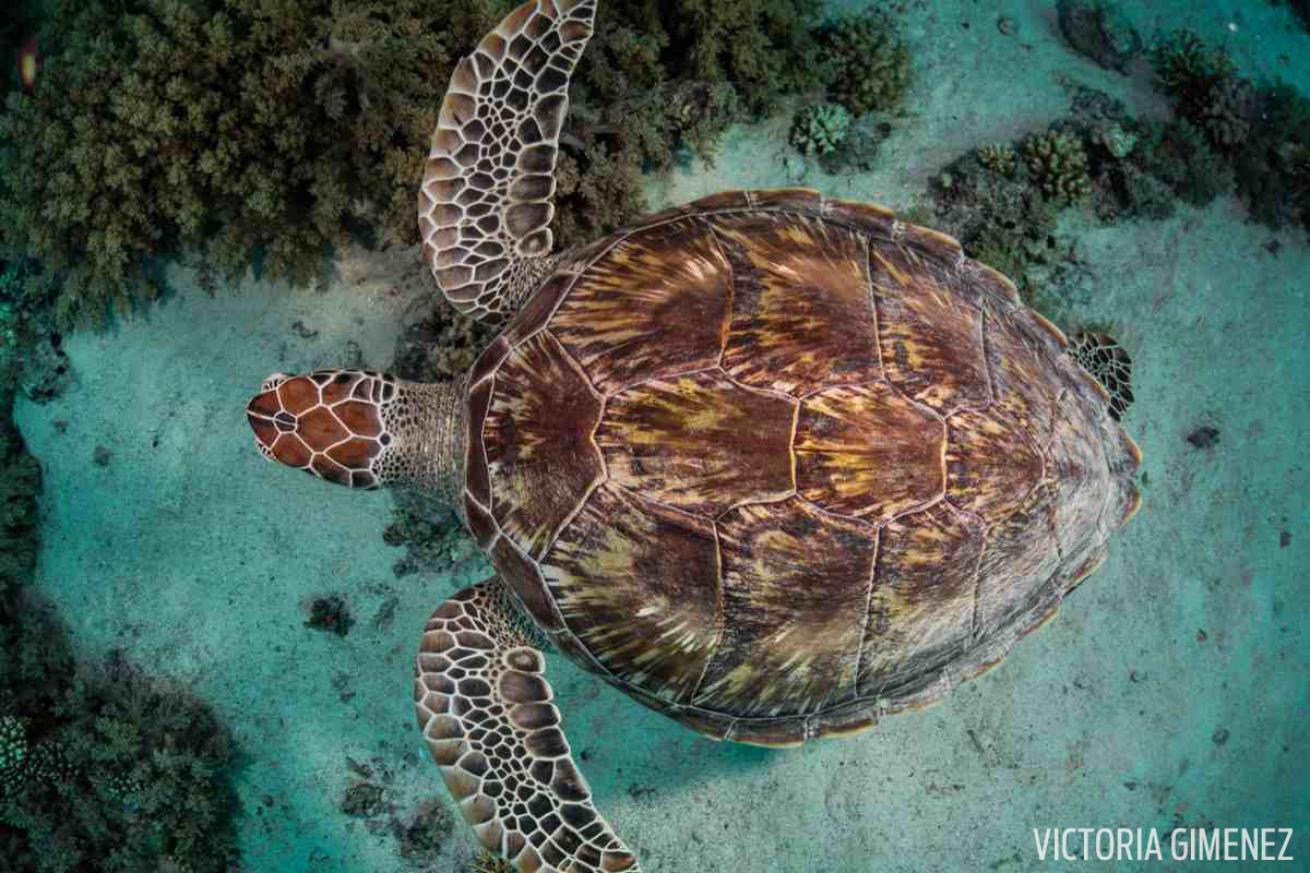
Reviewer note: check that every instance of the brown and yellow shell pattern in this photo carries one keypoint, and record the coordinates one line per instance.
(776, 464)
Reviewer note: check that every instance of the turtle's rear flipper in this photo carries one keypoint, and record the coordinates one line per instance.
(484, 708)
(485, 206)
(1103, 357)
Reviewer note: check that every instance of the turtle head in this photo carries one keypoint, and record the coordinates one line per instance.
(358, 428)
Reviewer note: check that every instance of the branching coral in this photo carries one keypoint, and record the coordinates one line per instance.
(1185, 65)
(998, 157)
(245, 128)
(1058, 163)
(659, 81)
(1263, 132)
(1226, 112)
(762, 47)
(139, 777)
(1273, 166)
(1178, 155)
(820, 129)
(242, 129)
(871, 68)
(1004, 222)
(423, 835)
(1004, 214)
(859, 148)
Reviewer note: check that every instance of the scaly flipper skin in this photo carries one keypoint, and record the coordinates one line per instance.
(485, 204)
(485, 710)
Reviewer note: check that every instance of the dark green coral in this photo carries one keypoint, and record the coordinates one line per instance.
(1228, 112)
(1273, 166)
(1180, 156)
(998, 157)
(237, 130)
(1003, 221)
(1058, 163)
(870, 64)
(1205, 88)
(820, 128)
(1186, 67)
(276, 132)
(1262, 132)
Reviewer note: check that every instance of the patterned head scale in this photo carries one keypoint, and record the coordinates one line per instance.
(330, 423)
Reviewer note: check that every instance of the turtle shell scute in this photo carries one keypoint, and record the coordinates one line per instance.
(777, 465)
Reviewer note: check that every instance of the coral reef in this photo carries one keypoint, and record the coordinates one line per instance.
(423, 835)
(1179, 156)
(1116, 141)
(1195, 76)
(1262, 132)
(1203, 436)
(141, 782)
(13, 751)
(431, 533)
(1227, 112)
(1099, 30)
(859, 148)
(819, 129)
(1004, 221)
(1058, 163)
(1004, 211)
(141, 141)
(30, 347)
(661, 82)
(22, 624)
(1272, 168)
(363, 799)
(870, 65)
(118, 771)
(597, 191)
(1186, 67)
(998, 157)
(486, 862)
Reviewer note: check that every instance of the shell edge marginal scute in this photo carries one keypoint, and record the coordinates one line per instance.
(1004, 300)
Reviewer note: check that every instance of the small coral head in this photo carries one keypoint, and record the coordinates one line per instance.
(29, 63)
(329, 423)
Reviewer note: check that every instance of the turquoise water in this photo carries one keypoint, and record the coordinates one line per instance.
(1171, 689)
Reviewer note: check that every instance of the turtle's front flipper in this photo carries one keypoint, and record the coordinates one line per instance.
(485, 206)
(485, 709)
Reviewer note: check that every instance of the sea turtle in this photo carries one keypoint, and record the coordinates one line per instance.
(771, 463)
